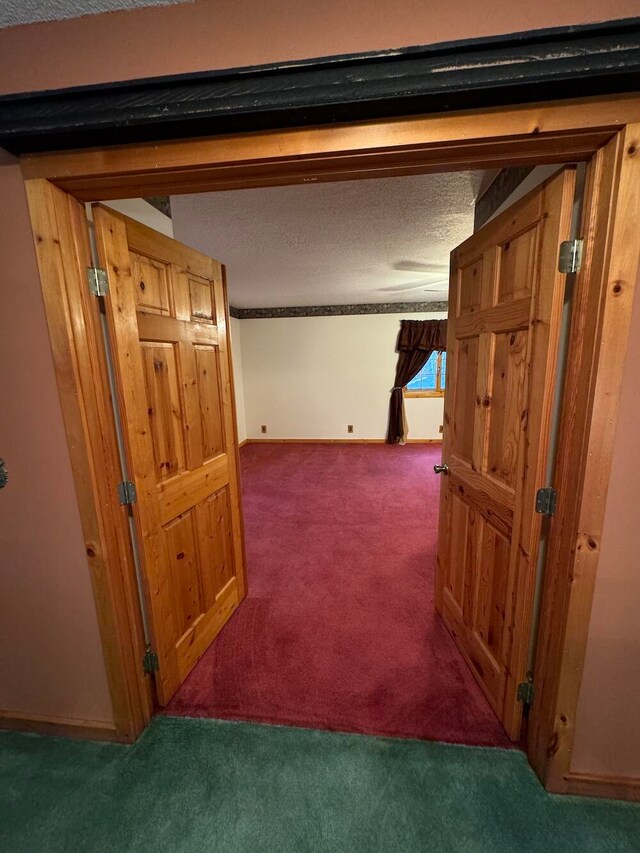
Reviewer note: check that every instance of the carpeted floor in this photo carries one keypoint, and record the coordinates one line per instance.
(190, 786)
(338, 630)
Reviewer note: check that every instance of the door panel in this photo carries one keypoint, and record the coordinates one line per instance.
(505, 303)
(167, 321)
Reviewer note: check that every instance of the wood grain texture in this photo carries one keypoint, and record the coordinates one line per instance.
(598, 339)
(532, 134)
(62, 247)
(503, 332)
(172, 371)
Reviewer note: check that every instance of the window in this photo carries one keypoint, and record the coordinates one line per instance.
(430, 382)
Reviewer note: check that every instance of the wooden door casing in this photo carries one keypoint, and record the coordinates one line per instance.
(167, 318)
(505, 306)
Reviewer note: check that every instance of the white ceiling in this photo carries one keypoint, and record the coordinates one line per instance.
(382, 240)
(14, 12)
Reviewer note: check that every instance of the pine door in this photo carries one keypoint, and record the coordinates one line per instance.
(505, 305)
(167, 319)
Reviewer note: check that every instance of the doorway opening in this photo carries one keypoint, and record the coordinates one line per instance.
(347, 624)
(562, 132)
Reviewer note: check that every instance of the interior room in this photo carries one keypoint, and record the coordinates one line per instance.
(339, 628)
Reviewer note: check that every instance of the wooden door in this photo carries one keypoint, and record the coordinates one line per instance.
(167, 318)
(505, 305)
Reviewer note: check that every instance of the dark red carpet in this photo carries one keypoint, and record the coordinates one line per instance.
(338, 630)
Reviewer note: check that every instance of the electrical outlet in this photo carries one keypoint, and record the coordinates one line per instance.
(263, 428)
(441, 428)
(349, 427)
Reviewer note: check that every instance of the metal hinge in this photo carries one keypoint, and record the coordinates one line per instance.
(526, 692)
(546, 500)
(570, 258)
(98, 281)
(127, 493)
(150, 661)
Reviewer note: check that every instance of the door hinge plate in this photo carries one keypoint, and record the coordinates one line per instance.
(570, 257)
(526, 692)
(127, 493)
(98, 281)
(150, 661)
(546, 500)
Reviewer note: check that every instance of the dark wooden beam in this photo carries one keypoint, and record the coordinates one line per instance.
(552, 64)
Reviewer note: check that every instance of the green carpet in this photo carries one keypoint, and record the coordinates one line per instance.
(203, 785)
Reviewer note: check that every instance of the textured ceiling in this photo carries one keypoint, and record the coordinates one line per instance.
(14, 12)
(381, 240)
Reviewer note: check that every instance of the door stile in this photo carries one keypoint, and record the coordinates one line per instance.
(112, 246)
(482, 418)
(230, 422)
(541, 375)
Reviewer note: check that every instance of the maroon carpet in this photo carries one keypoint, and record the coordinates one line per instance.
(338, 630)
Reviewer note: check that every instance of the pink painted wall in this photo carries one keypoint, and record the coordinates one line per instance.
(50, 661)
(607, 733)
(210, 34)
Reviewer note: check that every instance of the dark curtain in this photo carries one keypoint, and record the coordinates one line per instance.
(416, 341)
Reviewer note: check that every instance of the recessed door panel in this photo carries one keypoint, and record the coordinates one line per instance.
(464, 392)
(517, 266)
(150, 284)
(505, 415)
(469, 288)
(208, 375)
(164, 409)
(185, 571)
(201, 299)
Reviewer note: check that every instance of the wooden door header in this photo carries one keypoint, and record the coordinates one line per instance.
(518, 68)
(560, 132)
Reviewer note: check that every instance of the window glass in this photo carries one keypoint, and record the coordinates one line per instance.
(427, 379)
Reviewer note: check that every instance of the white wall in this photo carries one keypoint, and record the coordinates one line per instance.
(308, 377)
(142, 211)
(235, 333)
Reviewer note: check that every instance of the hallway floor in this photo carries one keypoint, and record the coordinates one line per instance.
(338, 630)
(189, 786)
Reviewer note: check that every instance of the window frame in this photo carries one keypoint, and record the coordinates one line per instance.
(438, 391)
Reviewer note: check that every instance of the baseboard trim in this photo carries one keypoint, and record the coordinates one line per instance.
(596, 785)
(60, 726)
(335, 441)
(242, 443)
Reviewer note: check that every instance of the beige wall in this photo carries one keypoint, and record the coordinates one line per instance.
(50, 654)
(308, 377)
(238, 376)
(213, 34)
(607, 732)
(50, 661)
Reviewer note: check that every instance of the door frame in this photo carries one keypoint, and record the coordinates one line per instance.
(603, 131)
